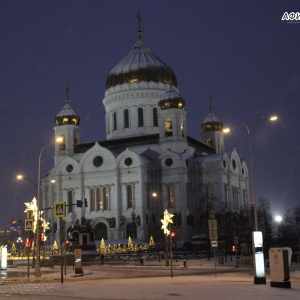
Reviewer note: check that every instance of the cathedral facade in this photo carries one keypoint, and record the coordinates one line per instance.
(148, 162)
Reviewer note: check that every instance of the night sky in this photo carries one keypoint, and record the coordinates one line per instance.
(238, 52)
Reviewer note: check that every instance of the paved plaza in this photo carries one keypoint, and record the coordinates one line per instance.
(199, 280)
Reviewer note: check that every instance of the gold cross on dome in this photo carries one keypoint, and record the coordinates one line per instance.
(67, 92)
(139, 19)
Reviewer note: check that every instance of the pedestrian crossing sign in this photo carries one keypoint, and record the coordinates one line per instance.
(28, 224)
(59, 209)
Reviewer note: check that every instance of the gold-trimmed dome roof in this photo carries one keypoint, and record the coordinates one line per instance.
(171, 99)
(140, 64)
(211, 122)
(67, 115)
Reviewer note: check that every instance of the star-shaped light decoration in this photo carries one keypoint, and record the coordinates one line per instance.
(33, 207)
(166, 221)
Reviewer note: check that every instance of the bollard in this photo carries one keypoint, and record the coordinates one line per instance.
(184, 263)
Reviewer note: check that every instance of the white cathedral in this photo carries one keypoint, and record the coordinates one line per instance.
(147, 163)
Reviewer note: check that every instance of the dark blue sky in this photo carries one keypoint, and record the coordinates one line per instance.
(239, 52)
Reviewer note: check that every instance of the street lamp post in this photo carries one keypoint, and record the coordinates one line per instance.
(256, 236)
(37, 245)
(226, 130)
(252, 178)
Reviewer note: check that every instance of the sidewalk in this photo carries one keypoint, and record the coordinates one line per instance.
(112, 282)
(153, 268)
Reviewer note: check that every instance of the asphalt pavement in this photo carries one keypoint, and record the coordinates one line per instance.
(199, 279)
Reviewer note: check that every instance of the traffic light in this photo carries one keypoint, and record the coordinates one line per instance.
(173, 236)
(233, 248)
(68, 245)
(79, 203)
(27, 243)
(41, 227)
(42, 239)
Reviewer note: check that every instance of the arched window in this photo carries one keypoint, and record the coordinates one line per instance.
(126, 118)
(62, 144)
(92, 199)
(235, 198)
(115, 120)
(100, 232)
(99, 199)
(155, 117)
(105, 198)
(140, 117)
(168, 127)
(182, 128)
(129, 196)
(70, 201)
(171, 195)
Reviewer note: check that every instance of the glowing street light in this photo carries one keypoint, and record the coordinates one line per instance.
(278, 218)
(37, 245)
(22, 177)
(257, 238)
(227, 130)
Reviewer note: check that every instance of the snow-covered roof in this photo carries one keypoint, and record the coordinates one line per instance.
(67, 110)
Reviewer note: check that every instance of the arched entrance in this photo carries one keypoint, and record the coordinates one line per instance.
(100, 231)
(131, 231)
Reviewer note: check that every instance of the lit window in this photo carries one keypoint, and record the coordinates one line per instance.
(62, 144)
(106, 198)
(168, 127)
(182, 128)
(99, 199)
(93, 199)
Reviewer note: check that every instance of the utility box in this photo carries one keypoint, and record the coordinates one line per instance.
(280, 267)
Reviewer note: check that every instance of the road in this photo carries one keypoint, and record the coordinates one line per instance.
(198, 281)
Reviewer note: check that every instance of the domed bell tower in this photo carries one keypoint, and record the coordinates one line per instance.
(212, 131)
(67, 127)
(172, 117)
